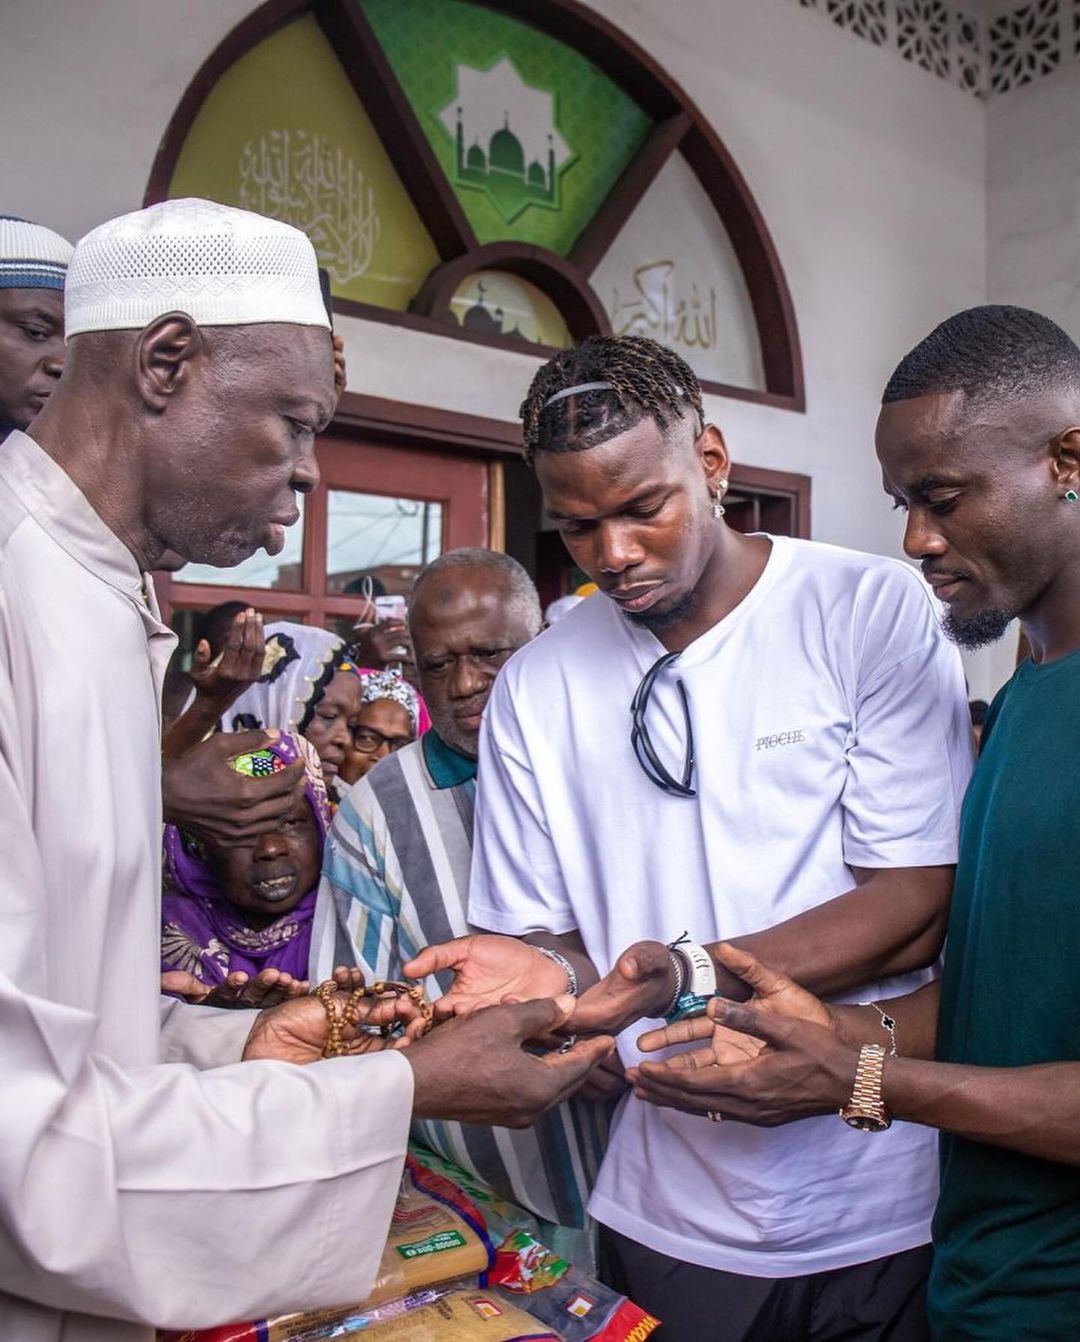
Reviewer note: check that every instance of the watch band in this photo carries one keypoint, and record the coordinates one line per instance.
(699, 981)
(866, 1108)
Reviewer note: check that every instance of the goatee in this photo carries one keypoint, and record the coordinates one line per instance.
(976, 631)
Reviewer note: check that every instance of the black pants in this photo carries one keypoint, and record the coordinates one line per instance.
(882, 1301)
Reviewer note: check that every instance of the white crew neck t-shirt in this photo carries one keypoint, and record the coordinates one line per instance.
(831, 730)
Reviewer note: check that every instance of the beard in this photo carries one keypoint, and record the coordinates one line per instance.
(657, 620)
(978, 630)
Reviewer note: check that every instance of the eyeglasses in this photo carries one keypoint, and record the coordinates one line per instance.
(367, 740)
(655, 770)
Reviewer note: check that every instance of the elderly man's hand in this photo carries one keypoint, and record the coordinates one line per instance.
(297, 1031)
(340, 373)
(474, 1069)
(204, 794)
(488, 969)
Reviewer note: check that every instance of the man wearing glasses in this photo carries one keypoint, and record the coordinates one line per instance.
(749, 738)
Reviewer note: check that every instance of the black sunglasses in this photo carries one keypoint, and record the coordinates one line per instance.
(652, 765)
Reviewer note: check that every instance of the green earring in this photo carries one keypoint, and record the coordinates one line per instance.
(1071, 496)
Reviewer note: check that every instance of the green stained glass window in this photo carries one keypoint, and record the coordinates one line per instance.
(529, 132)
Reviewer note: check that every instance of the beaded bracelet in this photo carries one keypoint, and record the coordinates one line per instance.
(350, 1014)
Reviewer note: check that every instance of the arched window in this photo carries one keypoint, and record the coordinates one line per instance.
(514, 172)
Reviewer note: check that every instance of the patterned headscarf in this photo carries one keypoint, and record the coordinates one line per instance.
(205, 935)
(376, 685)
(300, 662)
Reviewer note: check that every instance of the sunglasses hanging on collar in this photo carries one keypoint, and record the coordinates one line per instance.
(655, 770)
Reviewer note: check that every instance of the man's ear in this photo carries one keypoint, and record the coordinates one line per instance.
(712, 453)
(165, 352)
(1065, 459)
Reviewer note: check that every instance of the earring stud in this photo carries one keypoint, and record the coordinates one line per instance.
(1071, 496)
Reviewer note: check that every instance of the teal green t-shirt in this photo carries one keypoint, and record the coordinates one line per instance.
(1007, 1227)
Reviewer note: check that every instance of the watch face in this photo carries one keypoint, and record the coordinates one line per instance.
(866, 1122)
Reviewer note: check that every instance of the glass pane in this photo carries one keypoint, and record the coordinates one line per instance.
(282, 573)
(498, 303)
(385, 539)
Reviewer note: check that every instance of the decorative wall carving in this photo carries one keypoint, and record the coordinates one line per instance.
(984, 56)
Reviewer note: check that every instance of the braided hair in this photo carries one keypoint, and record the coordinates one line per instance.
(646, 379)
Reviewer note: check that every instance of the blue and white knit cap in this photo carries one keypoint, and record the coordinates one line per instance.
(31, 257)
(220, 265)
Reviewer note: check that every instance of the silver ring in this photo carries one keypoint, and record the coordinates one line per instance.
(713, 1116)
(567, 1044)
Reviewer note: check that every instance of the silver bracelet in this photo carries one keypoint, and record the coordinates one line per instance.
(564, 964)
(678, 963)
(888, 1024)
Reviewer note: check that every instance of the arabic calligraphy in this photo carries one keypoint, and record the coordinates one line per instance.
(656, 309)
(305, 180)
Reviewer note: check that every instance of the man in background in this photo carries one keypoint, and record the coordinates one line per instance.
(396, 869)
(33, 263)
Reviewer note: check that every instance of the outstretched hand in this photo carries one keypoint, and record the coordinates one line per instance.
(297, 1031)
(767, 1062)
(488, 969)
(268, 988)
(474, 1069)
(239, 664)
(772, 991)
(640, 985)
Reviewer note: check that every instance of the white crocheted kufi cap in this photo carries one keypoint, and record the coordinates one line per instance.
(31, 256)
(220, 265)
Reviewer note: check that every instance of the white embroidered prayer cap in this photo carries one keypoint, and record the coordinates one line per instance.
(220, 265)
(31, 256)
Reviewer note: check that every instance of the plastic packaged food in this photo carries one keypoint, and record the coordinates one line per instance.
(258, 764)
(581, 1309)
(523, 1265)
(436, 1283)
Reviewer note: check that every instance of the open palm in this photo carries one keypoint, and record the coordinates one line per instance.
(488, 969)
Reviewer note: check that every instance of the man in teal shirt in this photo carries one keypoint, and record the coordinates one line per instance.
(979, 442)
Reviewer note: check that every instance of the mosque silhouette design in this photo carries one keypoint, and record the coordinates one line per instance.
(502, 171)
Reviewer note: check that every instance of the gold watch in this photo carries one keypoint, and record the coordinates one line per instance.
(866, 1109)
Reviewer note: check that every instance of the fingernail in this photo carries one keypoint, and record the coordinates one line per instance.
(566, 1002)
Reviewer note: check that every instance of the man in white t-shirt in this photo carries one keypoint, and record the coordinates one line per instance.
(789, 778)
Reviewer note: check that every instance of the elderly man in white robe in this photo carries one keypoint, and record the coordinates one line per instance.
(148, 1176)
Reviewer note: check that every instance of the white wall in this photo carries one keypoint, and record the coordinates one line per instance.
(1033, 221)
(869, 171)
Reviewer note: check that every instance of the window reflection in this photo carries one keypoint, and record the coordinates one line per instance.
(378, 538)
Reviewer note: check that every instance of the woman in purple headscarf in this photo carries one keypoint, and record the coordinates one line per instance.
(236, 919)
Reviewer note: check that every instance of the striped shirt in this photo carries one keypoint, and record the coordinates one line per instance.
(395, 879)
